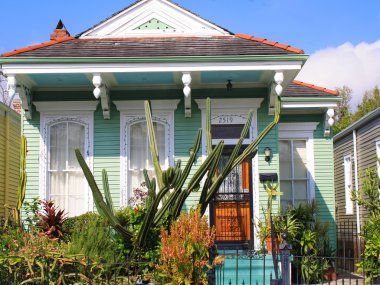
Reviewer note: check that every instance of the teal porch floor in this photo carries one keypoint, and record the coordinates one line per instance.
(241, 269)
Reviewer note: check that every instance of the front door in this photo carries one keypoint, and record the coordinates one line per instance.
(231, 210)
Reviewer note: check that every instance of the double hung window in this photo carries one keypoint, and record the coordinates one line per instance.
(65, 126)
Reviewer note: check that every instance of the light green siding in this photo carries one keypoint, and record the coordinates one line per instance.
(267, 167)
(324, 180)
(31, 129)
(107, 151)
(185, 130)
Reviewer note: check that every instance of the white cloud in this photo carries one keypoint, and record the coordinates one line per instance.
(358, 67)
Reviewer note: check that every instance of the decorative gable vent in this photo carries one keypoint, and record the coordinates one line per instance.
(154, 24)
(154, 18)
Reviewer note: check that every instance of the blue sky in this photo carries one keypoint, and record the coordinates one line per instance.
(336, 26)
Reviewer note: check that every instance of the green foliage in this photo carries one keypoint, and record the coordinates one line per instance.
(101, 247)
(370, 101)
(38, 259)
(172, 191)
(368, 198)
(310, 242)
(31, 209)
(185, 250)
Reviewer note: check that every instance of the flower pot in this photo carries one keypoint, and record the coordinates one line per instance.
(329, 274)
(268, 242)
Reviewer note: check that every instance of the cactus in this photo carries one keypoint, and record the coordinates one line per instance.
(107, 192)
(104, 209)
(172, 191)
(22, 182)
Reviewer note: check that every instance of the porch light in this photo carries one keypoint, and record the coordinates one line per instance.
(267, 153)
(229, 85)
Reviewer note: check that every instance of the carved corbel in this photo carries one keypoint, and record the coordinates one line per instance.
(24, 93)
(186, 80)
(101, 90)
(329, 121)
(275, 90)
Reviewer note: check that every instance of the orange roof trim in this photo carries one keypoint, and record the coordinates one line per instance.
(34, 47)
(271, 43)
(316, 87)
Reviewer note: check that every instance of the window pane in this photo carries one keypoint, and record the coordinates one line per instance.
(286, 197)
(76, 133)
(299, 159)
(232, 131)
(285, 159)
(57, 189)
(159, 130)
(76, 193)
(138, 146)
(300, 191)
(57, 148)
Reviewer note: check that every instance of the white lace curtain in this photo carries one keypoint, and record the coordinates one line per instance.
(139, 152)
(66, 187)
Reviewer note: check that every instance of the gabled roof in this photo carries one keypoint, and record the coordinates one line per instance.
(126, 9)
(302, 89)
(155, 28)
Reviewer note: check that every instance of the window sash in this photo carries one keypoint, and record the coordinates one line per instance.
(135, 167)
(288, 173)
(65, 180)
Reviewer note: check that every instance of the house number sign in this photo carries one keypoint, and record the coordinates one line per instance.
(229, 119)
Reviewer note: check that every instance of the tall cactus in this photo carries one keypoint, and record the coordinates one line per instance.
(172, 189)
(22, 181)
(101, 205)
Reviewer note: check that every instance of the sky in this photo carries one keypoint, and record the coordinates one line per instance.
(342, 37)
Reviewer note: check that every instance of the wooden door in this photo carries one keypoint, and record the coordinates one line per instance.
(231, 208)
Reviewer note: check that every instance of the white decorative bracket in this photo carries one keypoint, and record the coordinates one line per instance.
(329, 121)
(25, 95)
(186, 80)
(101, 90)
(275, 90)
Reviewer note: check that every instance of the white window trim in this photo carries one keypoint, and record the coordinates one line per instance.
(348, 185)
(65, 111)
(302, 131)
(131, 112)
(377, 157)
(237, 107)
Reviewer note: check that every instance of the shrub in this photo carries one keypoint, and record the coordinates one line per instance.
(185, 250)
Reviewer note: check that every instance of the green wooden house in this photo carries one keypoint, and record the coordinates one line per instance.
(87, 91)
(10, 133)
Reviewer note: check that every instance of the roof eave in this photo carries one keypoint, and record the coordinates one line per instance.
(252, 58)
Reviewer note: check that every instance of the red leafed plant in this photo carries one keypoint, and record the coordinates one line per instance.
(50, 219)
(185, 251)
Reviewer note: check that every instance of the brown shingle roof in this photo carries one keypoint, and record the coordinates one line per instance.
(165, 46)
(38, 46)
(302, 89)
(271, 43)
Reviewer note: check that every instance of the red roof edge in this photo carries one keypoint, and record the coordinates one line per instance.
(316, 87)
(271, 43)
(37, 46)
